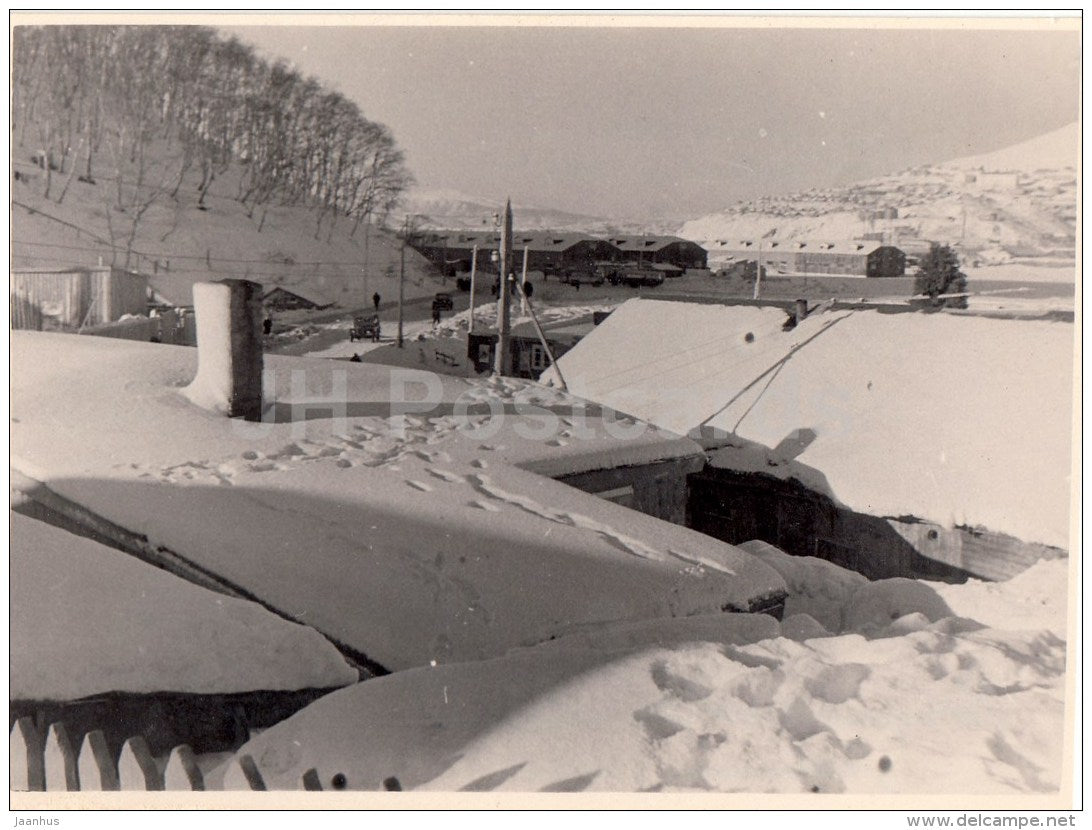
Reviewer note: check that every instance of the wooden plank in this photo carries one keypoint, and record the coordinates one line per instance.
(137, 769)
(26, 770)
(97, 768)
(182, 772)
(61, 767)
(249, 769)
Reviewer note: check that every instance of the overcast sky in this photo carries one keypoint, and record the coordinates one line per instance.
(639, 123)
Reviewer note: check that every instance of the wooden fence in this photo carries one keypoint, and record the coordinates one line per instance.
(52, 762)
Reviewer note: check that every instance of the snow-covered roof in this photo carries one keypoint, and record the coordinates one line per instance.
(430, 537)
(637, 243)
(173, 289)
(306, 293)
(533, 240)
(953, 419)
(87, 619)
(862, 247)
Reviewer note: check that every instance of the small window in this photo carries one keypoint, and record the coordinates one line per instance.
(539, 359)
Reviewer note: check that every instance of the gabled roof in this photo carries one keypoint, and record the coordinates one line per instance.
(306, 293)
(637, 242)
(532, 240)
(844, 246)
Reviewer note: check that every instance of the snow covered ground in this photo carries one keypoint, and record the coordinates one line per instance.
(408, 537)
(453, 329)
(952, 419)
(87, 619)
(905, 687)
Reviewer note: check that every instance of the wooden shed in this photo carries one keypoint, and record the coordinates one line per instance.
(68, 299)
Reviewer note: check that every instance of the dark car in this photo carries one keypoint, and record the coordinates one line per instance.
(580, 276)
(365, 327)
(637, 277)
(443, 301)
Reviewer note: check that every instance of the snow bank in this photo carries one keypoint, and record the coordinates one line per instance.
(87, 619)
(1030, 600)
(724, 703)
(410, 538)
(817, 588)
(953, 419)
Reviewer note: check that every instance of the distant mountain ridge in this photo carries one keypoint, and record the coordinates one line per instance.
(1019, 201)
(1015, 201)
(450, 209)
(1055, 150)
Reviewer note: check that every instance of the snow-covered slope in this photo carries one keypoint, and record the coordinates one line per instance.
(176, 244)
(409, 540)
(909, 697)
(1055, 150)
(1021, 199)
(953, 419)
(87, 619)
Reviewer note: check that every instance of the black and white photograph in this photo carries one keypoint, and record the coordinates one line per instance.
(545, 411)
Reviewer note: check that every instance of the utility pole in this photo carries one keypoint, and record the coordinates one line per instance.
(501, 366)
(523, 282)
(402, 278)
(473, 277)
(758, 269)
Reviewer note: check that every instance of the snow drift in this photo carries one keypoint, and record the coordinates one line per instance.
(905, 697)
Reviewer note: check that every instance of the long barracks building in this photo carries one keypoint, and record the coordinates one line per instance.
(452, 251)
(858, 257)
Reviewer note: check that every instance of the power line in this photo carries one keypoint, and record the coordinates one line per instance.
(171, 256)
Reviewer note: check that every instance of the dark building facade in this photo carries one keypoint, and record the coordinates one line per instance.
(547, 251)
(668, 250)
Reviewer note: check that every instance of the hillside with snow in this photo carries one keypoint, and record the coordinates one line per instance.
(177, 242)
(1019, 200)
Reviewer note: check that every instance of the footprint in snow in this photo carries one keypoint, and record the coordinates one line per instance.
(484, 505)
(445, 475)
(479, 463)
(419, 485)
